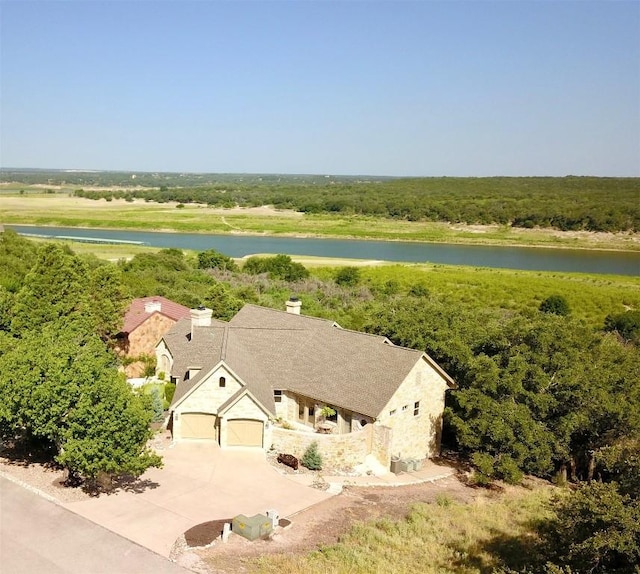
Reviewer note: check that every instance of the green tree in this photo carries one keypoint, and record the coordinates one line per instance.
(212, 259)
(626, 324)
(348, 276)
(108, 431)
(61, 388)
(419, 290)
(56, 287)
(108, 300)
(596, 530)
(17, 257)
(536, 394)
(157, 405)
(555, 304)
(62, 285)
(222, 302)
(278, 267)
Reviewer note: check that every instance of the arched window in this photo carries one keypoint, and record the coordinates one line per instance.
(222, 382)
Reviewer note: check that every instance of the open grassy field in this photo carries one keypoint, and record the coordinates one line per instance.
(590, 297)
(60, 209)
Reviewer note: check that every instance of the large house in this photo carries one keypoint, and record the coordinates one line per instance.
(240, 382)
(146, 320)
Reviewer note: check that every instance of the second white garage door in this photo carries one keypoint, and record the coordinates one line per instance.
(244, 432)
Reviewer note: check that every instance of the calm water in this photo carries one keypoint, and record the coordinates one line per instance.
(603, 262)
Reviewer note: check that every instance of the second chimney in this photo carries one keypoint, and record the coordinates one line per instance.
(200, 317)
(152, 306)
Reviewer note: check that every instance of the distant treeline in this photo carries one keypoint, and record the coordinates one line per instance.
(79, 178)
(568, 204)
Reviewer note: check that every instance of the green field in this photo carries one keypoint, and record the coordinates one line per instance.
(591, 297)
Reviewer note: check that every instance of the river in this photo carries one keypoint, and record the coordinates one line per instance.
(526, 258)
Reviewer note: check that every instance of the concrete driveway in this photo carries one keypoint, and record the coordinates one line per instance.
(199, 482)
(40, 537)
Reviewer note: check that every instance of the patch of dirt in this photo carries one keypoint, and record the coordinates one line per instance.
(205, 533)
(325, 523)
(29, 202)
(35, 470)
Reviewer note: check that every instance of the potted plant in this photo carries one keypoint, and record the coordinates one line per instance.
(325, 426)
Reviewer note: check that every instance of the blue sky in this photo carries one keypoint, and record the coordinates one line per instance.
(379, 88)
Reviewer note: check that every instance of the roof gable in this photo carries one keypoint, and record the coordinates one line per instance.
(237, 397)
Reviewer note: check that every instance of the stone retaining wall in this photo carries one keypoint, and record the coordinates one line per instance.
(337, 450)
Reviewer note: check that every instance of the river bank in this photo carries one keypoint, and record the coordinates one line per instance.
(66, 211)
(238, 246)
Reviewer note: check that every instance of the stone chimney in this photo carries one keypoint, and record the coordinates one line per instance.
(200, 317)
(152, 306)
(294, 305)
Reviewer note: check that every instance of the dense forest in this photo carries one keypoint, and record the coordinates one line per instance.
(542, 391)
(566, 203)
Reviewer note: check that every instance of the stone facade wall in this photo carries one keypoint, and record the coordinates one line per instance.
(339, 450)
(207, 396)
(143, 341)
(287, 407)
(416, 435)
(381, 444)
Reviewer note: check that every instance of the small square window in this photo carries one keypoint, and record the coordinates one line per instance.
(416, 408)
(405, 407)
(277, 396)
(392, 412)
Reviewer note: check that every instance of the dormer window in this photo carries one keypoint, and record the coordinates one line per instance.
(222, 382)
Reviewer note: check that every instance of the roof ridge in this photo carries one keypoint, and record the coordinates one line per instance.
(284, 312)
(223, 347)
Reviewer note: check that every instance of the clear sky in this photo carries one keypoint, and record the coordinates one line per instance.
(429, 88)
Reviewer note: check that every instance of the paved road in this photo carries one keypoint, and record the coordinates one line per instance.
(38, 537)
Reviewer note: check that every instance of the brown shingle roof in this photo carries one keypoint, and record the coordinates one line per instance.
(271, 349)
(136, 313)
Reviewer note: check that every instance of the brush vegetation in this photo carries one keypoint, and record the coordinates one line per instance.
(441, 538)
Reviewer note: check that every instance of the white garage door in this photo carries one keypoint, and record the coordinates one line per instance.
(197, 425)
(244, 432)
